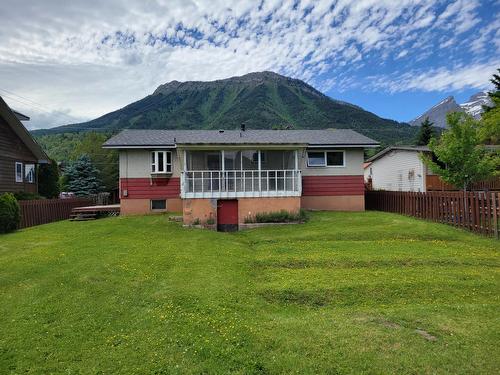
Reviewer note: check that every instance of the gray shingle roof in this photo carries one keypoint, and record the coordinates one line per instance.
(404, 148)
(170, 138)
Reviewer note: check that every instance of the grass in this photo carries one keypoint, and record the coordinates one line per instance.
(345, 293)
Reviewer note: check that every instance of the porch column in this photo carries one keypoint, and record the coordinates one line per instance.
(259, 169)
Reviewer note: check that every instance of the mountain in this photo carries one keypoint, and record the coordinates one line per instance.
(261, 100)
(437, 114)
(474, 106)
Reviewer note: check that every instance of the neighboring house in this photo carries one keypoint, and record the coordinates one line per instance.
(19, 153)
(229, 175)
(397, 168)
(400, 168)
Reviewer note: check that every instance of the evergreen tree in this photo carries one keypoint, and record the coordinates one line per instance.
(106, 161)
(462, 157)
(496, 82)
(490, 120)
(83, 177)
(48, 180)
(425, 133)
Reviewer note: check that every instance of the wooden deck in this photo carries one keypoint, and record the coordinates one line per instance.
(94, 212)
(106, 208)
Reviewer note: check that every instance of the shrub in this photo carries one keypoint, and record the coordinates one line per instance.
(196, 221)
(9, 213)
(210, 221)
(48, 180)
(282, 216)
(26, 196)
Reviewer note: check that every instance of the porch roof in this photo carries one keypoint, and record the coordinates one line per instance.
(174, 138)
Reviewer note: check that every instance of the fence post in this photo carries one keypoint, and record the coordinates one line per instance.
(495, 203)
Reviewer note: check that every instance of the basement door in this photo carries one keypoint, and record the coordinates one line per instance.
(227, 215)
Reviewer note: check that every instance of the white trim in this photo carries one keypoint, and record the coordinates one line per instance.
(146, 147)
(243, 146)
(325, 165)
(20, 177)
(345, 146)
(243, 194)
(157, 209)
(166, 167)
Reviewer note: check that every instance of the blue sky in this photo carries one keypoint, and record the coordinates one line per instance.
(63, 62)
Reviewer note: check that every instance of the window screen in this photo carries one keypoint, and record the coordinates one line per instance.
(335, 158)
(158, 204)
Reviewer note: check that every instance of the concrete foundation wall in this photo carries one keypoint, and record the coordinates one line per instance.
(143, 206)
(334, 203)
(199, 209)
(248, 207)
(204, 209)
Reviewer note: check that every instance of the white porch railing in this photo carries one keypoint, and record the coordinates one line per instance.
(241, 183)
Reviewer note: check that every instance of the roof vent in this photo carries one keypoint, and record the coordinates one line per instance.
(221, 130)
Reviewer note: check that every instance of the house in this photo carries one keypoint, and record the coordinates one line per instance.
(400, 168)
(397, 168)
(19, 153)
(229, 175)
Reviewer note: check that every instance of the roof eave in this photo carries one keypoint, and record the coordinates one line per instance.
(23, 133)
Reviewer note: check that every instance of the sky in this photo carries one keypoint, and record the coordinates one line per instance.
(69, 61)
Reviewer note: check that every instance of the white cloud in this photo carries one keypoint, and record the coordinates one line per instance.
(442, 79)
(92, 57)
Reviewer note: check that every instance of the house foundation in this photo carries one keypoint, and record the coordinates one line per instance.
(199, 210)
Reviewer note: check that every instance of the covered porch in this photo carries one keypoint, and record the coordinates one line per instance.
(239, 173)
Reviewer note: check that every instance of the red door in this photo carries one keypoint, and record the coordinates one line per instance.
(227, 215)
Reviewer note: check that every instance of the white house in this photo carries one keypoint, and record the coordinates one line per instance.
(398, 168)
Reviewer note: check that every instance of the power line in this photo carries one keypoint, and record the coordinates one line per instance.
(31, 103)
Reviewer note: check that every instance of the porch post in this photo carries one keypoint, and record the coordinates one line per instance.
(223, 167)
(183, 173)
(259, 169)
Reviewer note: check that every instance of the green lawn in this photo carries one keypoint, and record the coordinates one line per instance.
(345, 293)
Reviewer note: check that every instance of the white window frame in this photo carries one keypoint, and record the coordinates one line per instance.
(29, 177)
(19, 176)
(157, 209)
(325, 158)
(166, 168)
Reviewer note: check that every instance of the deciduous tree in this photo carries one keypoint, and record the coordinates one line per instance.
(462, 156)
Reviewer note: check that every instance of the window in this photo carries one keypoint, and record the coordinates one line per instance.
(161, 162)
(158, 204)
(316, 159)
(19, 172)
(29, 173)
(325, 159)
(335, 158)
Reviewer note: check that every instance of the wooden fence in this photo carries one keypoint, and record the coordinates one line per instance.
(43, 211)
(434, 183)
(476, 211)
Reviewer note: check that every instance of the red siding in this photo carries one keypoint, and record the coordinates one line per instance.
(145, 188)
(333, 185)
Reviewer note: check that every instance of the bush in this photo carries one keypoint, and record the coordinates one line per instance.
(25, 196)
(48, 180)
(282, 216)
(10, 215)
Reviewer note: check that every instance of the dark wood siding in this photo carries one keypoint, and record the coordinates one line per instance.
(13, 150)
